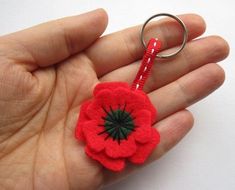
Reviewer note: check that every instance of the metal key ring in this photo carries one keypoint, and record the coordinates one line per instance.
(185, 36)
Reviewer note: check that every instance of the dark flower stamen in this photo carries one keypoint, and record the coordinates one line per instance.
(118, 123)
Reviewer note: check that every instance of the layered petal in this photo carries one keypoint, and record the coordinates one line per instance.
(148, 105)
(109, 86)
(135, 101)
(107, 162)
(143, 129)
(151, 108)
(144, 150)
(91, 132)
(103, 101)
(125, 149)
(82, 118)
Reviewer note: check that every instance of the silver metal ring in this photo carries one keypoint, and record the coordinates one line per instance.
(185, 36)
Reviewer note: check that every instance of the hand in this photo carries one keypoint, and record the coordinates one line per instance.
(48, 71)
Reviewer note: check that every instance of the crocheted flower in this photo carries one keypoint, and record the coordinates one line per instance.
(116, 125)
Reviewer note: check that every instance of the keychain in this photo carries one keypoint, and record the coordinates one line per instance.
(116, 124)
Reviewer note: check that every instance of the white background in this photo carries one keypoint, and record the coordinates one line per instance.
(205, 159)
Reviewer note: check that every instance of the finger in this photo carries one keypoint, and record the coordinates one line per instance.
(187, 90)
(196, 54)
(172, 129)
(124, 47)
(51, 42)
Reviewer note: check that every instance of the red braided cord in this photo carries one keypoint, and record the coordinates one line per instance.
(153, 48)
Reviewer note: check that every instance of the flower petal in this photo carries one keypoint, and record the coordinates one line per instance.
(82, 118)
(94, 141)
(144, 150)
(109, 163)
(135, 100)
(103, 100)
(109, 86)
(143, 129)
(147, 104)
(151, 108)
(126, 148)
(128, 97)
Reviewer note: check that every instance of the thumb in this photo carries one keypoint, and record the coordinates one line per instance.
(54, 41)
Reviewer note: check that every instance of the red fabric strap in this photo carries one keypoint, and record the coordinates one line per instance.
(153, 48)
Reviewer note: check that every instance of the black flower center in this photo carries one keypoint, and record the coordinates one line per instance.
(118, 123)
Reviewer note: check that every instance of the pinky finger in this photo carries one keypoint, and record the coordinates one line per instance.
(172, 129)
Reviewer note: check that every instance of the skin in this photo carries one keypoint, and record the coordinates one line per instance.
(47, 71)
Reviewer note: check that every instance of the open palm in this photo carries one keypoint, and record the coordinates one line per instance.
(48, 71)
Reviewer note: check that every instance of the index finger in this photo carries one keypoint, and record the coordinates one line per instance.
(124, 47)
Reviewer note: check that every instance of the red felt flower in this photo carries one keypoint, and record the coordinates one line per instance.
(116, 125)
